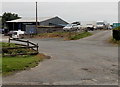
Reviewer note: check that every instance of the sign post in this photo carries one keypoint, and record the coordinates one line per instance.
(36, 18)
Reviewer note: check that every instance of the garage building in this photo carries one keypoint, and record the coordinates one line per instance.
(45, 24)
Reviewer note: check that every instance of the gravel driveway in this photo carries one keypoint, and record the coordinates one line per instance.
(80, 62)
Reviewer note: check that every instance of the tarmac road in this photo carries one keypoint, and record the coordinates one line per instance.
(88, 61)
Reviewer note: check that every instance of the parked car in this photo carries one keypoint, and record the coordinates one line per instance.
(16, 34)
(71, 27)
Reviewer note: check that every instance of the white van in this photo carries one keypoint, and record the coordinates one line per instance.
(18, 34)
(102, 25)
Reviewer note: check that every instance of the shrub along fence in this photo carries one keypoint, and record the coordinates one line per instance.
(29, 48)
(116, 33)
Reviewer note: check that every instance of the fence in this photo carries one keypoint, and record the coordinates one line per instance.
(27, 45)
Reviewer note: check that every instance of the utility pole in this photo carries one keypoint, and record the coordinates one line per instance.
(36, 18)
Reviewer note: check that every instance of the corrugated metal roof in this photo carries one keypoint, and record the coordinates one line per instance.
(40, 19)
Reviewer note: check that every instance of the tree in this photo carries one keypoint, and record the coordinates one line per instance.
(8, 17)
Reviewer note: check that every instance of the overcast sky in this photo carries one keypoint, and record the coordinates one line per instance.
(69, 11)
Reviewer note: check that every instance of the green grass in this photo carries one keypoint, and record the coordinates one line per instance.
(14, 51)
(9, 65)
(18, 63)
(79, 36)
(4, 44)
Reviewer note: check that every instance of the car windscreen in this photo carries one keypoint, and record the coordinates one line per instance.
(14, 33)
(100, 23)
(69, 25)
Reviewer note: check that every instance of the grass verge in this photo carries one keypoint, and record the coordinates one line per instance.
(113, 41)
(79, 36)
(4, 44)
(65, 35)
(18, 63)
(53, 35)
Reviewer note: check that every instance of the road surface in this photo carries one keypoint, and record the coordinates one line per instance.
(88, 61)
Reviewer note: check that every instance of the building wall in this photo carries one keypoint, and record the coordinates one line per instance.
(55, 20)
(20, 25)
(49, 30)
(31, 29)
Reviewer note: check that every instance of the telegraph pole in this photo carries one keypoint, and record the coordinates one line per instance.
(36, 18)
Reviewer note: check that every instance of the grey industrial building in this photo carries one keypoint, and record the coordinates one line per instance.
(45, 24)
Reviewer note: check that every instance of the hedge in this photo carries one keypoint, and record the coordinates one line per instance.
(116, 33)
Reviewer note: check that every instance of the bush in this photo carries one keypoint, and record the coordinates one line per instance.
(117, 28)
(116, 33)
